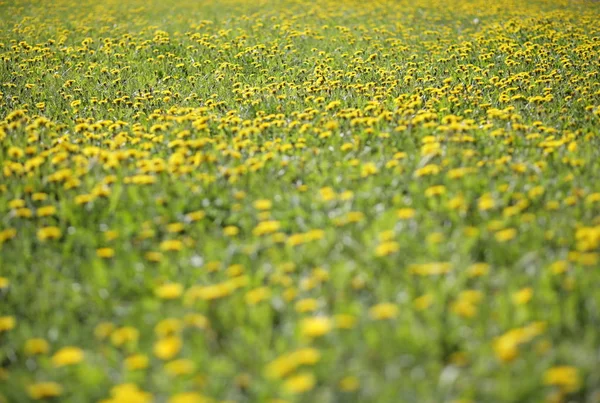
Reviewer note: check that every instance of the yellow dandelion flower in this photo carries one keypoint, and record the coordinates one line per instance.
(406, 213)
(136, 362)
(167, 348)
(506, 235)
(171, 245)
(36, 346)
(67, 356)
(189, 397)
(46, 233)
(44, 390)
(300, 383)
(382, 311)
(180, 367)
(105, 253)
(316, 326)
(565, 377)
(387, 248)
(169, 291)
(7, 323)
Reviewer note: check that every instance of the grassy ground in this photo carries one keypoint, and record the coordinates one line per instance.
(333, 201)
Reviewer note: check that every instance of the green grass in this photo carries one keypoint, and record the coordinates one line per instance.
(420, 176)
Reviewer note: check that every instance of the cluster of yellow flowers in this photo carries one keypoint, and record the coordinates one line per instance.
(288, 201)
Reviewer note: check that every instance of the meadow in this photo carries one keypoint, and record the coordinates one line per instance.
(294, 201)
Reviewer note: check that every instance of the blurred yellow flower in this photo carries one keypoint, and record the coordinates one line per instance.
(316, 326)
(36, 346)
(44, 390)
(67, 356)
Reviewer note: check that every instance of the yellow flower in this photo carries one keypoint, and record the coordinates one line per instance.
(167, 348)
(306, 305)
(506, 235)
(522, 296)
(316, 327)
(48, 233)
(7, 234)
(189, 397)
(387, 248)
(44, 390)
(478, 269)
(180, 367)
(36, 346)
(169, 291)
(175, 227)
(136, 361)
(128, 393)
(195, 215)
(266, 227)
(565, 377)
(4, 282)
(257, 295)
(263, 204)
(168, 327)
(7, 323)
(300, 383)
(153, 256)
(171, 245)
(231, 230)
(196, 320)
(406, 213)
(105, 252)
(423, 302)
(67, 356)
(46, 211)
(385, 310)
(125, 334)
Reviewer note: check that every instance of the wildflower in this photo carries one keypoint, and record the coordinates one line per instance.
(36, 346)
(67, 356)
(522, 296)
(171, 245)
(169, 291)
(565, 377)
(7, 323)
(231, 230)
(406, 213)
(387, 248)
(180, 367)
(382, 311)
(266, 227)
(46, 211)
(105, 253)
(300, 383)
(506, 235)
(316, 326)
(44, 390)
(128, 393)
(257, 295)
(48, 233)
(189, 397)
(136, 362)
(124, 335)
(263, 204)
(168, 347)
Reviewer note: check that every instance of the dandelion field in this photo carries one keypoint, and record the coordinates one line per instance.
(294, 201)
